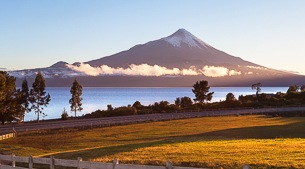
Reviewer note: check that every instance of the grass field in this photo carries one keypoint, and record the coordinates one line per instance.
(215, 142)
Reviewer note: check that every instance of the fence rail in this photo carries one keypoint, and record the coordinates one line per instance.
(79, 163)
(6, 136)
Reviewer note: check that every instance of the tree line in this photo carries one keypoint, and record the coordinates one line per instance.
(295, 96)
(15, 103)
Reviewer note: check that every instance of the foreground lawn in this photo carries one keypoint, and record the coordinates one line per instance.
(215, 142)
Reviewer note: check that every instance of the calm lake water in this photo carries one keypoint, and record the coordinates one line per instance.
(99, 98)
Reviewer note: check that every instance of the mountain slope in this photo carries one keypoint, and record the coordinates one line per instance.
(180, 50)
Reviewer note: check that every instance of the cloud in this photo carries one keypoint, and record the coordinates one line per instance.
(256, 67)
(249, 73)
(133, 70)
(214, 71)
(218, 71)
(234, 72)
(155, 70)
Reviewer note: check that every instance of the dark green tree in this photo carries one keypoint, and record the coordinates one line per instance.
(230, 97)
(76, 99)
(64, 115)
(38, 96)
(109, 107)
(293, 89)
(9, 108)
(186, 102)
(231, 101)
(161, 106)
(178, 101)
(257, 87)
(137, 105)
(201, 91)
(24, 97)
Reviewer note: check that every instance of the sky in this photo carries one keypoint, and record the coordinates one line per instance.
(35, 33)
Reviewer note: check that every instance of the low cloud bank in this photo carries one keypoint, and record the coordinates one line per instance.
(155, 70)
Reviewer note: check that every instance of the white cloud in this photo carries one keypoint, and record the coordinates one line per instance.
(234, 72)
(214, 71)
(256, 67)
(134, 70)
(155, 70)
(249, 73)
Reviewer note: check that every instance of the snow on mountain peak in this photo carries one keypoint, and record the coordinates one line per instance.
(182, 36)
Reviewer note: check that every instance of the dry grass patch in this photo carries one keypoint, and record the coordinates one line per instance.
(265, 153)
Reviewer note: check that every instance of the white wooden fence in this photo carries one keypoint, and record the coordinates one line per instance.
(9, 162)
(6, 136)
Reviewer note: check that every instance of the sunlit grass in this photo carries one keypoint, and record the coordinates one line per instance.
(226, 142)
(220, 153)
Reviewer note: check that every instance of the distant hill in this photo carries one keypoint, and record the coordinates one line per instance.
(176, 60)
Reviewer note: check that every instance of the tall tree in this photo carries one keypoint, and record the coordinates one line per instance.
(201, 91)
(9, 107)
(24, 97)
(76, 99)
(258, 89)
(38, 96)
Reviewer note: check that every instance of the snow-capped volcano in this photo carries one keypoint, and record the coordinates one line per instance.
(183, 37)
(179, 50)
(176, 60)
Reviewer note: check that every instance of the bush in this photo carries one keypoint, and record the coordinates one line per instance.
(64, 115)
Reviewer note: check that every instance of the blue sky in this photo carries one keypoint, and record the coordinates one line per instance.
(35, 33)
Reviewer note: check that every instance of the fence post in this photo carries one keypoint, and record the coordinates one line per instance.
(13, 161)
(115, 162)
(79, 160)
(30, 162)
(15, 132)
(169, 165)
(52, 162)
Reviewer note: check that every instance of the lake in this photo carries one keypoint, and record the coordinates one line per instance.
(99, 98)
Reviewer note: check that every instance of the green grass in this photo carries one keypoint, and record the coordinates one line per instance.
(215, 142)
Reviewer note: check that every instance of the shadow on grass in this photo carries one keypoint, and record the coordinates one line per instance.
(293, 130)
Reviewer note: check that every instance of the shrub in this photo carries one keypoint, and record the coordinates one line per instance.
(64, 115)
